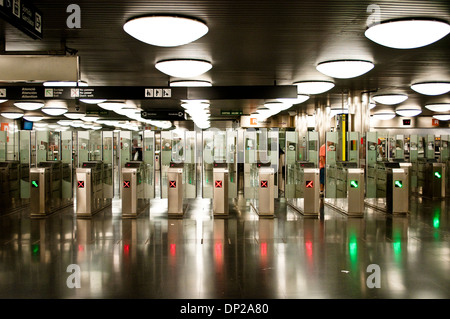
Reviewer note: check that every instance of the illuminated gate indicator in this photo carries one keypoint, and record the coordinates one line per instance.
(218, 184)
(126, 184)
(80, 184)
(35, 184)
(398, 184)
(309, 184)
(437, 174)
(264, 184)
(354, 184)
(172, 184)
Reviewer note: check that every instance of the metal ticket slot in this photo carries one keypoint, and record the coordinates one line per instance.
(133, 200)
(39, 191)
(89, 189)
(220, 194)
(175, 189)
(266, 196)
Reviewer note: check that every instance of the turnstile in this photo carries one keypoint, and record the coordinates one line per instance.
(265, 205)
(175, 189)
(9, 184)
(352, 204)
(40, 191)
(46, 188)
(434, 175)
(90, 193)
(133, 195)
(220, 193)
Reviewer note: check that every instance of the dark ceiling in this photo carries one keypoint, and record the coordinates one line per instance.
(263, 42)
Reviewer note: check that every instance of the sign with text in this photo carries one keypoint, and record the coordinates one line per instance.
(23, 15)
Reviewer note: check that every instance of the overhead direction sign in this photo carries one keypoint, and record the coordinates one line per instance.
(23, 15)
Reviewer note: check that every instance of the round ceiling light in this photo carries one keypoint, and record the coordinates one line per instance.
(29, 105)
(442, 117)
(183, 68)
(33, 117)
(390, 99)
(190, 83)
(431, 88)
(54, 109)
(165, 31)
(74, 115)
(345, 69)
(408, 111)
(384, 115)
(111, 105)
(12, 115)
(407, 33)
(438, 107)
(313, 87)
(92, 101)
(299, 99)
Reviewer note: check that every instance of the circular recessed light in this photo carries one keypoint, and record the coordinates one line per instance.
(442, 117)
(74, 115)
(384, 115)
(407, 33)
(299, 99)
(431, 88)
(345, 69)
(112, 105)
(183, 68)
(3, 101)
(408, 111)
(390, 99)
(190, 83)
(29, 105)
(92, 101)
(12, 115)
(54, 109)
(438, 107)
(313, 87)
(165, 31)
(33, 117)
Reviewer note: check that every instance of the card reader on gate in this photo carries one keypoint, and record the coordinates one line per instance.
(220, 165)
(92, 164)
(306, 164)
(176, 165)
(133, 164)
(261, 164)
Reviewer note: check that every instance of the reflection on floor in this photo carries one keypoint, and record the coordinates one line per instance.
(241, 256)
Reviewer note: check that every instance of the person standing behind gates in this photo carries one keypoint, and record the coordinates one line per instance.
(322, 160)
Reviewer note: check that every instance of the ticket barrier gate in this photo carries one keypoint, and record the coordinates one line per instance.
(45, 188)
(9, 184)
(220, 194)
(353, 186)
(308, 182)
(265, 205)
(133, 195)
(433, 176)
(175, 190)
(397, 191)
(91, 197)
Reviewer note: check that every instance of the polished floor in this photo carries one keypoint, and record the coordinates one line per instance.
(243, 256)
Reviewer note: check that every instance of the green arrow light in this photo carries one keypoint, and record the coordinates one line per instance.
(398, 184)
(35, 184)
(437, 174)
(354, 184)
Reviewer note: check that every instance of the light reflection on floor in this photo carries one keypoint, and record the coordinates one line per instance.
(241, 256)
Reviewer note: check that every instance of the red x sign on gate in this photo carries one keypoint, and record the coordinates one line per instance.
(309, 184)
(264, 184)
(218, 184)
(80, 184)
(172, 184)
(126, 184)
